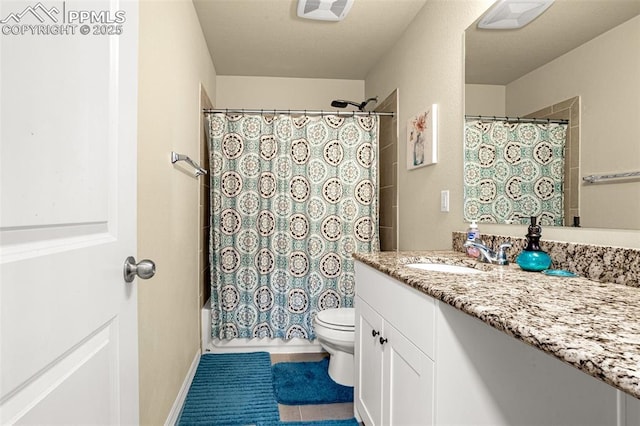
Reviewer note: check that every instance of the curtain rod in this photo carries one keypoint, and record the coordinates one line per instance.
(293, 111)
(516, 119)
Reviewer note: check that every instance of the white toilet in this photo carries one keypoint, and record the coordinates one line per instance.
(335, 330)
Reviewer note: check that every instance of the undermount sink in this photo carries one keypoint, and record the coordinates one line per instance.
(441, 267)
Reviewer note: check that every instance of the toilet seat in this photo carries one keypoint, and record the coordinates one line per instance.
(341, 319)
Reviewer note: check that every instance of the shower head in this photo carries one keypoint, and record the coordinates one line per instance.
(339, 103)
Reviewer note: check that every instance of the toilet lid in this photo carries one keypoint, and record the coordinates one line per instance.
(343, 318)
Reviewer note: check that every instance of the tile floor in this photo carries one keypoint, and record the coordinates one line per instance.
(297, 413)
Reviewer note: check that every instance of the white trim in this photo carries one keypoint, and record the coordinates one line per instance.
(174, 414)
(205, 326)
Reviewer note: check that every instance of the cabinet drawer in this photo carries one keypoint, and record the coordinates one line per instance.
(408, 310)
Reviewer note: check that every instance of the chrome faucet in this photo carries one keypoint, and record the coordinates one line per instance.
(489, 256)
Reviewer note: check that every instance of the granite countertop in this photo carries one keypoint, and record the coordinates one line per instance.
(591, 325)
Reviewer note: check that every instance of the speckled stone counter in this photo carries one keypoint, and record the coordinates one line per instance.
(599, 263)
(591, 325)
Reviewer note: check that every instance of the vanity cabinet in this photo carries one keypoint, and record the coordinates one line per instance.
(395, 369)
(438, 365)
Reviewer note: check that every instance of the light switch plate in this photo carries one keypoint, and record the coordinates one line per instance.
(444, 200)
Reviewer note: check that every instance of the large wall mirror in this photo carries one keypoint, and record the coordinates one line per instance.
(578, 61)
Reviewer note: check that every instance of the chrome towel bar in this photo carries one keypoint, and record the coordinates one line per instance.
(597, 178)
(175, 157)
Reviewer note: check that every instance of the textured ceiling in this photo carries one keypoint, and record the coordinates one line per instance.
(500, 57)
(266, 38)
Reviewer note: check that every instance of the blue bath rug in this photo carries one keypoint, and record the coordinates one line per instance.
(231, 389)
(308, 383)
(346, 422)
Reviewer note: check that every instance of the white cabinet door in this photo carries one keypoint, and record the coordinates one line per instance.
(68, 321)
(394, 379)
(368, 355)
(409, 382)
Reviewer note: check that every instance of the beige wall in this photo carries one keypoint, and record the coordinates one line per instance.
(604, 73)
(484, 99)
(174, 60)
(427, 68)
(285, 93)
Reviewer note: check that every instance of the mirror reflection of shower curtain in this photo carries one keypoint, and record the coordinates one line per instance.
(291, 199)
(513, 171)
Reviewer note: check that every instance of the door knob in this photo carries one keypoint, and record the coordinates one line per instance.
(145, 269)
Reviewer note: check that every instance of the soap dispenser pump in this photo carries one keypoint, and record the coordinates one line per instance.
(532, 257)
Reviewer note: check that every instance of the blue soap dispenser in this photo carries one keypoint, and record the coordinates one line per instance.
(532, 257)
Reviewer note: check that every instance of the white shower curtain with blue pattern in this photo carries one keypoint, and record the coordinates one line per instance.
(513, 171)
(291, 199)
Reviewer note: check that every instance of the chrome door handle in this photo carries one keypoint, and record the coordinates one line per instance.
(145, 269)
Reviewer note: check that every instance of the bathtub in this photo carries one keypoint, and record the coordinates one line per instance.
(211, 345)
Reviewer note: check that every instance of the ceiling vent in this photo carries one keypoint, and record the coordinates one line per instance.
(512, 14)
(324, 10)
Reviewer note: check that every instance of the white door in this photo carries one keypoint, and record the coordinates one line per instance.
(68, 321)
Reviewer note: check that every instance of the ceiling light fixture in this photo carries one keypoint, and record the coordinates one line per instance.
(512, 14)
(324, 10)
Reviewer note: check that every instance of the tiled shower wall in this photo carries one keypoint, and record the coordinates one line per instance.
(568, 110)
(388, 169)
(205, 212)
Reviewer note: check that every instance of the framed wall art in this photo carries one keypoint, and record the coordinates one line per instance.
(422, 139)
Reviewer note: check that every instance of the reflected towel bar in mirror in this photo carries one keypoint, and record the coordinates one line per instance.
(597, 178)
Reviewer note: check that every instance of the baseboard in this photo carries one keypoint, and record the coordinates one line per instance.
(174, 414)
